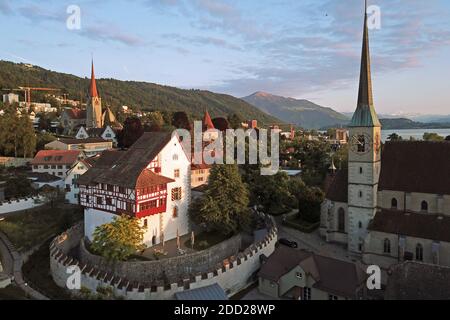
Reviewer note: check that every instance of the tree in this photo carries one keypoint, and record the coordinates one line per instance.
(394, 137)
(273, 193)
(432, 137)
(447, 138)
(17, 136)
(309, 202)
(180, 120)
(235, 121)
(131, 132)
(221, 124)
(119, 239)
(224, 206)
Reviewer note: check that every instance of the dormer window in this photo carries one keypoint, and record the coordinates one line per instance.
(299, 275)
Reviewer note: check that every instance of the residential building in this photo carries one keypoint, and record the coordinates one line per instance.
(10, 98)
(72, 119)
(90, 146)
(40, 180)
(200, 174)
(71, 182)
(301, 275)
(150, 181)
(106, 133)
(55, 162)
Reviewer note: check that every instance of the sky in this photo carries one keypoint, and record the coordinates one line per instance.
(307, 49)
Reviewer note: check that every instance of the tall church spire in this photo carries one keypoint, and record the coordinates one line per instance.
(93, 87)
(365, 115)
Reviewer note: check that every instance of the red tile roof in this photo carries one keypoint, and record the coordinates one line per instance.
(76, 113)
(207, 122)
(56, 157)
(149, 178)
(421, 166)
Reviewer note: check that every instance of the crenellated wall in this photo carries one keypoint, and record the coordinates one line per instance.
(232, 276)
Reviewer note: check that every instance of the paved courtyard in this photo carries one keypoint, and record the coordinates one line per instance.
(170, 249)
(313, 242)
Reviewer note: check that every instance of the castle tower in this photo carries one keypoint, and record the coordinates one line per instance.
(94, 105)
(364, 155)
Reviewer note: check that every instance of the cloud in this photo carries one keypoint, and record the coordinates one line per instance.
(202, 41)
(109, 33)
(5, 7)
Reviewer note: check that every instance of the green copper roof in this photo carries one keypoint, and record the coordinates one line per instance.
(365, 115)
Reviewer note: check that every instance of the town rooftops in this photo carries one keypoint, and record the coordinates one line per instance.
(40, 177)
(418, 225)
(416, 166)
(123, 168)
(69, 141)
(56, 157)
(418, 281)
(331, 275)
(75, 113)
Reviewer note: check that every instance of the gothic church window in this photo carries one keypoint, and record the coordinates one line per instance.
(387, 246)
(341, 220)
(419, 252)
(424, 206)
(394, 204)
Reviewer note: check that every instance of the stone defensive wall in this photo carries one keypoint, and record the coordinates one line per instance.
(161, 279)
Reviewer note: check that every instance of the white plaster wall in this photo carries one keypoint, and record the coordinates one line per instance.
(22, 204)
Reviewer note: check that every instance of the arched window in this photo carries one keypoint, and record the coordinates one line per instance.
(419, 252)
(424, 206)
(394, 203)
(387, 246)
(360, 225)
(341, 220)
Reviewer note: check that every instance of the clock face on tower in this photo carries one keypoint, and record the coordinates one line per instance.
(361, 143)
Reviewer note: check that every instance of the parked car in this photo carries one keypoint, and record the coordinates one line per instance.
(288, 243)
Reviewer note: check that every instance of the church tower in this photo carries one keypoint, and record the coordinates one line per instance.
(94, 105)
(364, 155)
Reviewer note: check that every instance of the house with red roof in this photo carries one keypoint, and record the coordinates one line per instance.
(55, 162)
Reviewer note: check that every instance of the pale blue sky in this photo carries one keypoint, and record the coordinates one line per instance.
(300, 48)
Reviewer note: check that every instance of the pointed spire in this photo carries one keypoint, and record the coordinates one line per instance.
(365, 115)
(93, 87)
(207, 122)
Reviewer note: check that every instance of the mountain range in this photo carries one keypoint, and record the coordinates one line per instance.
(145, 96)
(303, 113)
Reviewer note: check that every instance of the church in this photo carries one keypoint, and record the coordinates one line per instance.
(392, 203)
(93, 122)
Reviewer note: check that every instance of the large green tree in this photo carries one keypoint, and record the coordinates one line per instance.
(17, 136)
(309, 202)
(119, 239)
(224, 206)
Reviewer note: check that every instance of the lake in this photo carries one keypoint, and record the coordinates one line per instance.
(415, 133)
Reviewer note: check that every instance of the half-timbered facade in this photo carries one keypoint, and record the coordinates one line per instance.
(150, 181)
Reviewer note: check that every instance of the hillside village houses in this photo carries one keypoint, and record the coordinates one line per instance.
(392, 204)
(71, 181)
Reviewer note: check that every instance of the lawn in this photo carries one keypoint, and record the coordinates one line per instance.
(37, 273)
(206, 240)
(28, 229)
(297, 223)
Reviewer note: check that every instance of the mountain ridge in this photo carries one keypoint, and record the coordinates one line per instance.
(145, 95)
(301, 112)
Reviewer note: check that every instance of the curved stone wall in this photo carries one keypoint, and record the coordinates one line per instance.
(232, 276)
(171, 268)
